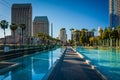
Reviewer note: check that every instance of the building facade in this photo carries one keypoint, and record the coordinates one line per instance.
(114, 11)
(63, 36)
(22, 14)
(40, 25)
(100, 31)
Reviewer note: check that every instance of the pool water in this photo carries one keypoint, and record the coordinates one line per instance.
(33, 67)
(106, 61)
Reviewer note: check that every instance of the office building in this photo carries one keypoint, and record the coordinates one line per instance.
(40, 25)
(22, 14)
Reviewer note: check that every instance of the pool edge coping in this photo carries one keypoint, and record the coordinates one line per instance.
(9, 68)
(91, 64)
(50, 71)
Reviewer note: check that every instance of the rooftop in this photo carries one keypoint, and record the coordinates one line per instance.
(41, 19)
(21, 5)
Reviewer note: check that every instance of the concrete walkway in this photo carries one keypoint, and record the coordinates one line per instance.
(72, 67)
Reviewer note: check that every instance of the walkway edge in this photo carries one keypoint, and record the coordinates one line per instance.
(92, 66)
(54, 67)
(9, 67)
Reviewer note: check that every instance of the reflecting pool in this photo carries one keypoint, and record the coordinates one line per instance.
(33, 67)
(106, 61)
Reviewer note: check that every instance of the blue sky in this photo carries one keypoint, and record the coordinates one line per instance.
(76, 14)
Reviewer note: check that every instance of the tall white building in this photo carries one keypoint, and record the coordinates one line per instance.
(100, 31)
(63, 36)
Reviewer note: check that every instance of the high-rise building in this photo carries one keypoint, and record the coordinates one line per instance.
(40, 25)
(63, 36)
(22, 14)
(100, 31)
(114, 10)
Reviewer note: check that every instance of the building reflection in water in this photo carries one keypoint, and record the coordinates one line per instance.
(51, 58)
(32, 67)
(40, 66)
(24, 72)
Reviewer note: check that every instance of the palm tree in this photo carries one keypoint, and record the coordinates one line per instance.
(109, 31)
(40, 36)
(71, 29)
(93, 30)
(62, 29)
(105, 34)
(84, 30)
(13, 27)
(4, 25)
(118, 29)
(45, 38)
(100, 32)
(82, 38)
(23, 27)
(114, 34)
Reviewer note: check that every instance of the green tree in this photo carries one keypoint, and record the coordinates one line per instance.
(114, 34)
(72, 29)
(4, 25)
(83, 38)
(109, 29)
(93, 41)
(62, 29)
(85, 30)
(118, 29)
(93, 30)
(23, 27)
(40, 36)
(105, 34)
(13, 28)
(45, 38)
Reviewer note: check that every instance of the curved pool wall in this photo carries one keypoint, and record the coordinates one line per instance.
(106, 61)
(33, 67)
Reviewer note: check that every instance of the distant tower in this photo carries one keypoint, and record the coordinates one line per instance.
(52, 30)
(40, 25)
(22, 14)
(100, 31)
(114, 11)
(63, 35)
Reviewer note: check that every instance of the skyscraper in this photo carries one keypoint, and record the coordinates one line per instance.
(100, 31)
(63, 36)
(22, 14)
(40, 25)
(114, 10)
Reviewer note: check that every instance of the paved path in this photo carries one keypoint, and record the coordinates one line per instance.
(72, 67)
